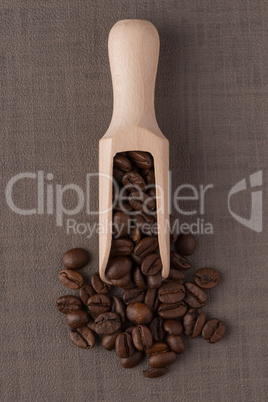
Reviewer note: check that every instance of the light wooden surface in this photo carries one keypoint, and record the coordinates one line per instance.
(133, 53)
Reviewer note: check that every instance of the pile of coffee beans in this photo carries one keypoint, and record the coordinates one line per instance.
(147, 316)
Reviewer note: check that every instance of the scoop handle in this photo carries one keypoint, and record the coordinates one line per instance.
(133, 53)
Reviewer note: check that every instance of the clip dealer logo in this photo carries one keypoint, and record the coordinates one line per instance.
(255, 221)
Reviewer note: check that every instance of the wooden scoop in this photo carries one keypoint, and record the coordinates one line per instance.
(133, 53)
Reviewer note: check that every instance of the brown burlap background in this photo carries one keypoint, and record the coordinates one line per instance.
(56, 103)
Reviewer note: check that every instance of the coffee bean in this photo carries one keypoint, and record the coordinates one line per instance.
(175, 275)
(83, 337)
(141, 202)
(129, 330)
(213, 330)
(107, 323)
(146, 246)
(171, 311)
(139, 313)
(151, 191)
(142, 337)
(176, 344)
(151, 299)
(98, 285)
(76, 319)
(171, 292)
(154, 281)
(118, 175)
(139, 278)
(195, 296)
(118, 267)
(135, 235)
(66, 304)
(124, 345)
(142, 160)
(153, 372)
(132, 361)
(124, 282)
(121, 224)
(91, 323)
(133, 295)
(108, 341)
(136, 259)
(162, 359)
(121, 246)
(157, 329)
(122, 163)
(75, 258)
(193, 322)
(133, 181)
(144, 223)
(119, 308)
(85, 292)
(158, 347)
(98, 304)
(186, 244)
(71, 279)
(151, 265)
(148, 175)
(173, 327)
(206, 278)
(179, 262)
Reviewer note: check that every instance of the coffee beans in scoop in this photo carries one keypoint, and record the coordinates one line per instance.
(151, 319)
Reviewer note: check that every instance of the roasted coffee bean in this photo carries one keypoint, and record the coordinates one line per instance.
(176, 344)
(75, 258)
(154, 281)
(119, 308)
(136, 259)
(151, 265)
(174, 228)
(139, 278)
(193, 322)
(144, 223)
(213, 330)
(133, 295)
(77, 319)
(186, 244)
(139, 313)
(148, 175)
(153, 372)
(133, 181)
(171, 292)
(151, 299)
(151, 191)
(71, 279)
(141, 202)
(122, 206)
(173, 327)
(66, 304)
(108, 341)
(175, 275)
(98, 304)
(118, 267)
(162, 359)
(122, 246)
(179, 262)
(129, 330)
(157, 329)
(118, 175)
(121, 224)
(98, 285)
(141, 159)
(142, 337)
(91, 323)
(85, 292)
(124, 345)
(206, 278)
(158, 347)
(135, 235)
(107, 323)
(146, 246)
(122, 163)
(132, 361)
(194, 296)
(171, 311)
(83, 337)
(124, 282)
